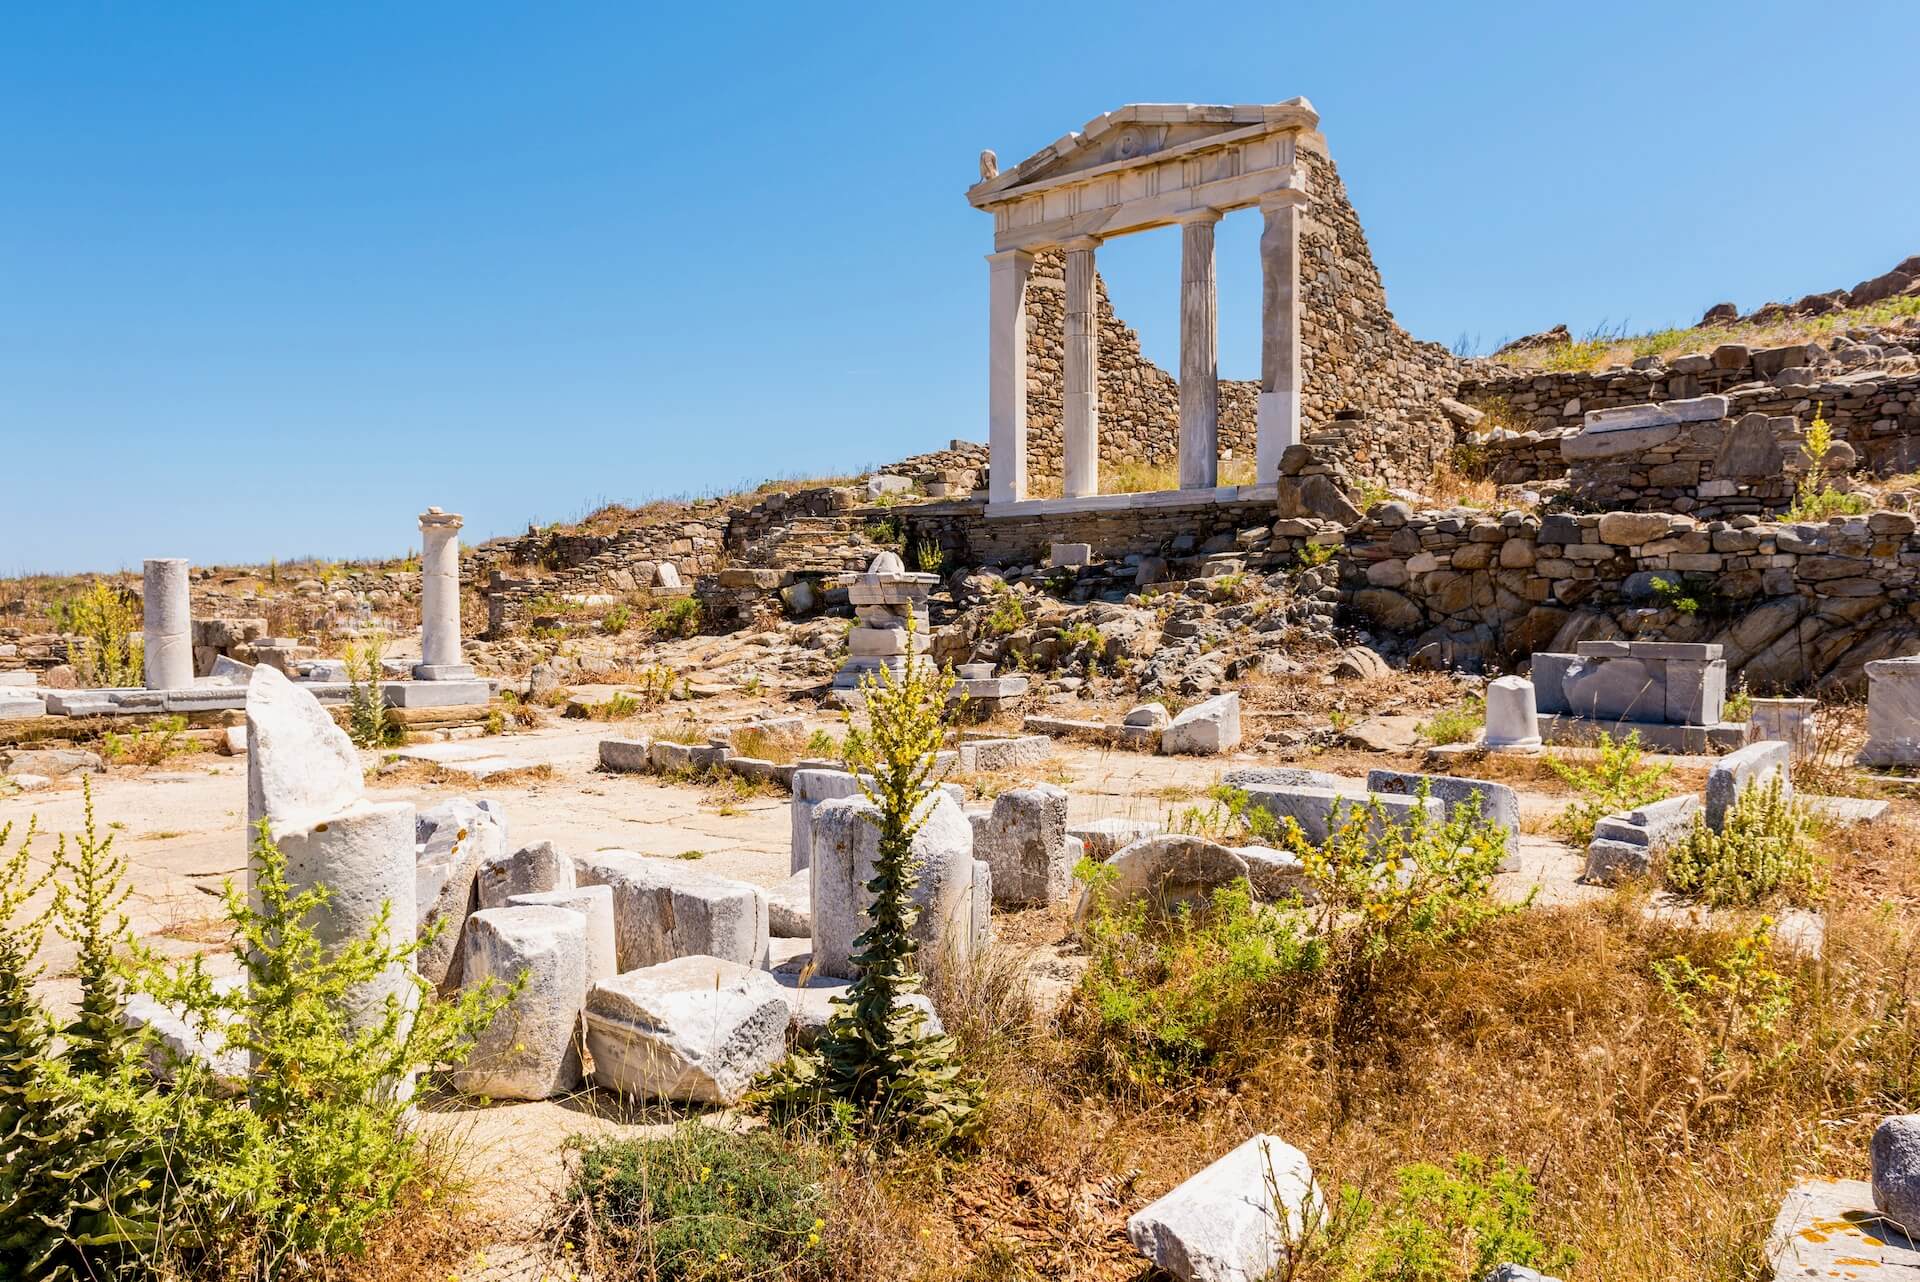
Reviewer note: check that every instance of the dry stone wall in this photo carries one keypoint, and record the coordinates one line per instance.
(1371, 392)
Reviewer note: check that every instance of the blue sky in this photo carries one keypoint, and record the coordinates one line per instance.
(275, 278)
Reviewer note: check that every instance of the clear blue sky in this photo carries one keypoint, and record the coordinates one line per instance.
(275, 277)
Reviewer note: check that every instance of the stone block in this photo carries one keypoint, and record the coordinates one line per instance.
(595, 906)
(624, 756)
(1610, 861)
(175, 1040)
(18, 705)
(1790, 720)
(301, 766)
(1206, 729)
(988, 755)
(1275, 874)
(530, 870)
(810, 788)
(1061, 555)
(531, 1049)
(1287, 777)
(1698, 409)
(1752, 766)
(435, 694)
(1548, 674)
(695, 1029)
(1231, 1221)
(1613, 442)
(663, 909)
(846, 841)
(1171, 871)
(790, 907)
(1495, 802)
(1321, 811)
(1024, 841)
(1151, 715)
(1691, 651)
(1828, 1229)
(812, 1004)
(1893, 713)
(1696, 691)
(1617, 689)
(451, 841)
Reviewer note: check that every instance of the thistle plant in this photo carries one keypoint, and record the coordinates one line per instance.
(367, 723)
(878, 1066)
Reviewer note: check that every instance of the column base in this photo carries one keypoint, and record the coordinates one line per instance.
(443, 672)
(1277, 426)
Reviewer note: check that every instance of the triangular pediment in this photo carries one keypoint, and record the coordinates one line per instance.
(1140, 133)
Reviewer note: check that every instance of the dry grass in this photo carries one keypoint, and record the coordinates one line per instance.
(1550, 1043)
(1602, 347)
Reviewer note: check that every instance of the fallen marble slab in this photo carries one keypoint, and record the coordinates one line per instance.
(1828, 1229)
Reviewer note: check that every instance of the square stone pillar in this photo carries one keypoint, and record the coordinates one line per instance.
(1279, 405)
(1007, 376)
(1081, 427)
(1199, 353)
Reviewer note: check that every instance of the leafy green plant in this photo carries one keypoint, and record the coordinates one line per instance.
(1815, 498)
(1009, 612)
(822, 745)
(1739, 704)
(677, 619)
(1765, 848)
(887, 532)
(1617, 781)
(1310, 556)
(102, 621)
(1458, 724)
(155, 744)
(616, 620)
(878, 1066)
(367, 723)
(929, 557)
(1675, 596)
(702, 1205)
(1732, 1008)
(1229, 817)
(1457, 1223)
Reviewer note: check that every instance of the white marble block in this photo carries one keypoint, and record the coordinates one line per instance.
(595, 905)
(1024, 841)
(1231, 1221)
(531, 1049)
(846, 842)
(1893, 713)
(663, 909)
(526, 871)
(452, 840)
(698, 1029)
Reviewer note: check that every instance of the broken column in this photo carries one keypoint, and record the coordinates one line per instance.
(304, 781)
(440, 658)
(167, 631)
(1513, 723)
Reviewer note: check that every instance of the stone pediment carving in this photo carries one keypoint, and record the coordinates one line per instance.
(1143, 165)
(1138, 132)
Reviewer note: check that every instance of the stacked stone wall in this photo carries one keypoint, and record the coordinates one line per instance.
(1371, 392)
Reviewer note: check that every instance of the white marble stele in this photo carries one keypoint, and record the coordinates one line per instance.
(1893, 713)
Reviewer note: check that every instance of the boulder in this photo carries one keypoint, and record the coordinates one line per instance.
(51, 763)
(1024, 841)
(694, 1029)
(527, 871)
(1154, 716)
(1896, 1171)
(531, 1049)
(1169, 870)
(1206, 729)
(1232, 1221)
(663, 909)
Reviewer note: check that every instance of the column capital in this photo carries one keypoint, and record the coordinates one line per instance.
(1284, 198)
(1081, 244)
(1018, 257)
(433, 517)
(1205, 214)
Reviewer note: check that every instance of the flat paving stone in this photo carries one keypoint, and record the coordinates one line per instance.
(1828, 1229)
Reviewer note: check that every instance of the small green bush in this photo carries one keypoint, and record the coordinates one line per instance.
(1458, 724)
(367, 723)
(1311, 556)
(676, 619)
(704, 1204)
(616, 620)
(1617, 781)
(1765, 849)
(1009, 612)
(1455, 1223)
(103, 651)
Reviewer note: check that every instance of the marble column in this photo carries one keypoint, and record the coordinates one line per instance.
(1279, 405)
(1199, 353)
(440, 599)
(1007, 376)
(1081, 408)
(167, 626)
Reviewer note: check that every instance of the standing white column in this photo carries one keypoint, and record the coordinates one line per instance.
(440, 658)
(1081, 428)
(1279, 406)
(1007, 376)
(1199, 353)
(167, 629)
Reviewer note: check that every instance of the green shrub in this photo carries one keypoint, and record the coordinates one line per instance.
(103, 651)
(1009, 612)
(878, 1066)
(1814, 499)
(822, 745)
(929, 557)
(367, 723)
(1616, 782)
(1229, 817)
(1458, 724)
(1765, 848)
(159, 742)
(1310, 556)
(1456, 1223)
(616, 620)
(679, 618)
(704, 1204)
